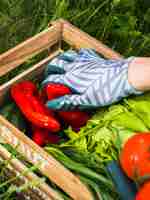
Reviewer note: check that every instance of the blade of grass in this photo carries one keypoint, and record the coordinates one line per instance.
(95, 12)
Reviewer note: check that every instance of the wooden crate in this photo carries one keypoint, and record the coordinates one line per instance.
(17, 168)
(51, 40)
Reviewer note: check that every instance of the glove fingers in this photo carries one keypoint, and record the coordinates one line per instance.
(60, 104)
(71, 55)
(60, 64)
(57, 78)
(88, 54)
(70, 102)
(62, 79)
(64, 62)
(70, 60)
(56, 66)
(68, 56)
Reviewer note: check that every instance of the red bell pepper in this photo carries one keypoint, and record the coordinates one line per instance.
(39, 136)
(42, 137)
(27, 87)
(55, 90)
(74, 118)
(22, 93)
(39, 106)
(30, 91)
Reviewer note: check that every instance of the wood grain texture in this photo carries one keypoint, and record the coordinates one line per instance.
(31, 47)
(33, 71)
(56, 172)
(18, 166)
(79, 39)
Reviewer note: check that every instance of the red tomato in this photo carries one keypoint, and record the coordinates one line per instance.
(144, 192)
(135, 156)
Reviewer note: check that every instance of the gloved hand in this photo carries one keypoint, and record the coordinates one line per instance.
(94, 80)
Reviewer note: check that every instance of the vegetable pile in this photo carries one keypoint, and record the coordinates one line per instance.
(108, 150)
(44, 122)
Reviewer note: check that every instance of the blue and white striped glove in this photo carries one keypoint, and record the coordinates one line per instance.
(94, 80)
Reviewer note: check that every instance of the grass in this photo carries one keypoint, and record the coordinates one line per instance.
(122, 24)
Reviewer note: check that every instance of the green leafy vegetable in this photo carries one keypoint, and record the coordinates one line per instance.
(140, 106)
(108, 129)
(100, 183)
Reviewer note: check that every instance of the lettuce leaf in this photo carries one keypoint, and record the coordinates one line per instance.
(109, 128)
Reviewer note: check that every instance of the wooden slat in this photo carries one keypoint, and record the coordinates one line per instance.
(56, 172)
(19, 54)
(50, 193)
(33, 71)
(79, 39)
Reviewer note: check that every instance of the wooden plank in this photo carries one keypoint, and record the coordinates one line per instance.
(34, 71)
(18, 166)
(79, 39)
(31, 47)
(56, 172)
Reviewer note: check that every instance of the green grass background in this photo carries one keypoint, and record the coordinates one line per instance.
(124, 25)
